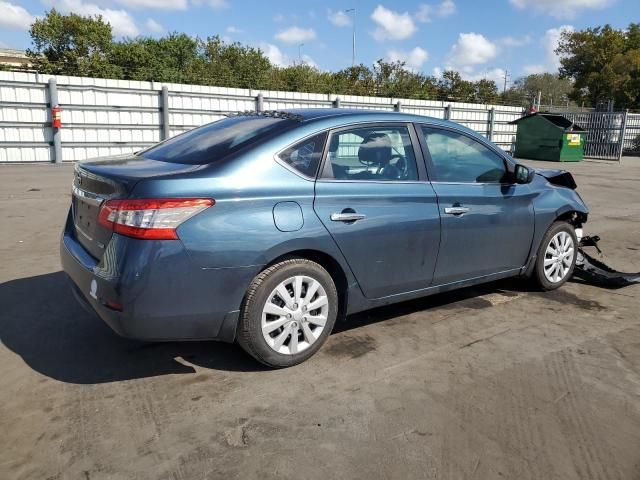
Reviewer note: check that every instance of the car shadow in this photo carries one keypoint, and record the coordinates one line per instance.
(42, 322)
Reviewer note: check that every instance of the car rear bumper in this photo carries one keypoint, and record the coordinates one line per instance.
(151, 290)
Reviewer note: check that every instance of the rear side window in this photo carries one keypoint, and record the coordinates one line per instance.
(305, 156)
(215, 141)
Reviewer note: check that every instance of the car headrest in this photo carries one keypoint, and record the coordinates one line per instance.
(375, 148)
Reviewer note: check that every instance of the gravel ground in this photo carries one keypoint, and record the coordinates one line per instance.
(490, 382)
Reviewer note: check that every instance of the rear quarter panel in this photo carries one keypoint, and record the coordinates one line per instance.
(239, 230)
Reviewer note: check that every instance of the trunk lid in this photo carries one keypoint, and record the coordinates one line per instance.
(96, 181)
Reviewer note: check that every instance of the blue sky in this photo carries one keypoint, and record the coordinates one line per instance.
(481, 39)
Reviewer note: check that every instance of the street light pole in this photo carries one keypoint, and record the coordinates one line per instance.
(300, 52)
(353, 42)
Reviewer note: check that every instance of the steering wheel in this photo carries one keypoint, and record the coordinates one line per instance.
(399, 164)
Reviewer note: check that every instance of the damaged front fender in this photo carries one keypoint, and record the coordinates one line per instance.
(558, 177)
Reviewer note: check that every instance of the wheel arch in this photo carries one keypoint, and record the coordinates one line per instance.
(330, 264)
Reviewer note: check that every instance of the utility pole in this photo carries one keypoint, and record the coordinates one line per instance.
(353, 42)
(505, 76)
(300, 52)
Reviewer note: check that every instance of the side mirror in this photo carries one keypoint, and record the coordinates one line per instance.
(523, 174)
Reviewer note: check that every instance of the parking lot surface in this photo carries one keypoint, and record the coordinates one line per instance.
(490, 382)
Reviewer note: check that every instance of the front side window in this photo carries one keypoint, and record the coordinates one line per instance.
(305, 155)
(380, 153)
(459, 158)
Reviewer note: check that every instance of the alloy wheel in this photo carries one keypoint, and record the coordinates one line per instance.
(558, 257)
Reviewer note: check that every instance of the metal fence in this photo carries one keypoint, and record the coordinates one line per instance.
(106, 117)
(609, 135)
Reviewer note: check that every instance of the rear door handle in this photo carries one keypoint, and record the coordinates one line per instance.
(347, 217)
(456, 210)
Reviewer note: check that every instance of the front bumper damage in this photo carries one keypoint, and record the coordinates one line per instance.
(595, 272)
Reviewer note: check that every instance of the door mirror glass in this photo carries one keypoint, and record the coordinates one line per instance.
(523, 174)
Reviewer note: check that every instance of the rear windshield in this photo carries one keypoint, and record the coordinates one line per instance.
(214, 141)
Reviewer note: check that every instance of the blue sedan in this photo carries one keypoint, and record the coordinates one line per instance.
(264, 228)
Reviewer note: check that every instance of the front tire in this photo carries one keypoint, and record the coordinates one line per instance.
(288, 313)
(556, 256)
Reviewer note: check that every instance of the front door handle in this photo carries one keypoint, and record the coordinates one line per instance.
(456, 210)
(347, 217)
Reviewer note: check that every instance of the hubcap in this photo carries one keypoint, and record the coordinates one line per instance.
(558, 257)
(295, 315)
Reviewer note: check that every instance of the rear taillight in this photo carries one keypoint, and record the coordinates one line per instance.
(150, 218)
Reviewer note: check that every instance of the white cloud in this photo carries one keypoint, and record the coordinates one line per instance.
(214, 4)
(495, 74)
(279, 58)
(218, 4)
(154, 26)
(535, 68)
(158, 4)
(413, 59)
(275, 55)
(426, 12)
(307, 60)
(14, 16)
(233, 29)
(339, 18)
(296, 35)
(515, 41)
(471, 49)
(392, 25)
(560, 8)
(121, 22)
(549, 42)
(278, 17)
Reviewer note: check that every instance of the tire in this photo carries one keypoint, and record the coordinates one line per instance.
(559, 271)
(269, 336)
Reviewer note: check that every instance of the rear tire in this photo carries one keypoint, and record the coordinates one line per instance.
(288, 313)
(556, 256)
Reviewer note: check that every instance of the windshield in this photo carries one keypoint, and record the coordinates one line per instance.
(214, 141)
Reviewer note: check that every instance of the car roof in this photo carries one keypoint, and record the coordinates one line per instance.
(311, 114)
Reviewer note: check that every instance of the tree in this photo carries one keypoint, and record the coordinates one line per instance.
(234, 64)
(604, 64)
(486, 91)
(553, 88)
(71, 45)
(454, 88)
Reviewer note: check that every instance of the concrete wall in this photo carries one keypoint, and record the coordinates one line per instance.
(103, 117)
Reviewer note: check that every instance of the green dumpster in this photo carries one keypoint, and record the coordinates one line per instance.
(547, 136)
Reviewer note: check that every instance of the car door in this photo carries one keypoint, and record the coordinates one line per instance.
(487, 220)
(374, 199)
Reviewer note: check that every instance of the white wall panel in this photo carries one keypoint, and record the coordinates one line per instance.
(103, 116)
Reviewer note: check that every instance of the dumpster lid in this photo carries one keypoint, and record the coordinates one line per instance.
(555, 118)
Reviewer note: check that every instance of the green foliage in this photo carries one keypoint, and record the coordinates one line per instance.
(555, 90)
(604, 64)
(71, 45)
(84, 46)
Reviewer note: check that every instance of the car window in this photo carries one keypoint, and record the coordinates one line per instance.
(214, 141)
(459, 158)
(380, 153)
(305, 155)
